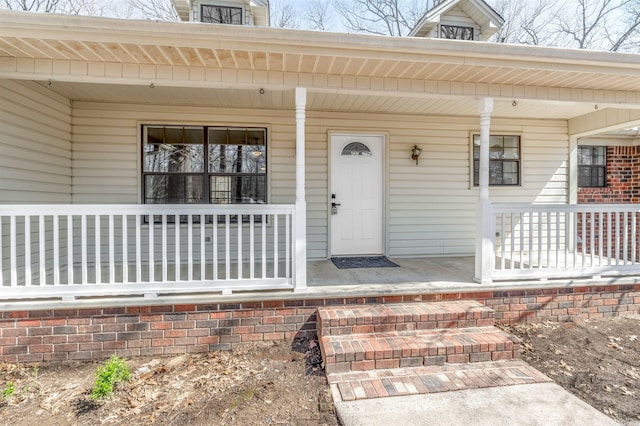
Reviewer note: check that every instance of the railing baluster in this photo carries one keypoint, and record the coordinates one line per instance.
(83, 250)
(592, 237)
(634, 246)
(164, 248)
(214, 244)
(558, 245)
(112, 249)
(227, 248)
(151, 250)
(138, 249)
(617, 246)
(240, 217)
(190, 248)
(98, 242)
(287, 253)
(549, 244)
(43, 250)
(600, 237)
(513, 240)
(502, 242)
(539, 222)
(531, 240)
(252, 241)
(583, 238)
(125, 249)
(264, 246)
(13, 251)
(178, 266)
(202, 248)
(1, 253)
(27, 251)
(69, 249)
(56, 250)
(609, 238)
(275, 245)
(625, 247)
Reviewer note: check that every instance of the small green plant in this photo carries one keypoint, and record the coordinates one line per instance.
(9, 390)
(34, 371)
(114, 370)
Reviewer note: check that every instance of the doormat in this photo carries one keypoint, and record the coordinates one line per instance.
(363, 262)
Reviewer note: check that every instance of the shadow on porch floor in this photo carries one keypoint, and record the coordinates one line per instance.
(412, 271)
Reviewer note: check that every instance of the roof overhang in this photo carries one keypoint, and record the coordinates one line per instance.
(488, 19)
(36, 46)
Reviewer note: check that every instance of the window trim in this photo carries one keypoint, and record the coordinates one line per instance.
(520, 160)
(604, 167)
(221, 4)
(205, 173)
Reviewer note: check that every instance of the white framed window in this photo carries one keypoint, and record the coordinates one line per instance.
(220, 14)
(504, 160)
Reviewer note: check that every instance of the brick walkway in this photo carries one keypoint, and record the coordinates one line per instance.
(356, 385)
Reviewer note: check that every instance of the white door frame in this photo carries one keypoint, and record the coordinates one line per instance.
(383, 184)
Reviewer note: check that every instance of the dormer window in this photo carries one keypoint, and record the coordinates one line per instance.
(220, 14)
(454, 32)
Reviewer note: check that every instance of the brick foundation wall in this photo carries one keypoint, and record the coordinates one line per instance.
(623, 187)
(71, 334)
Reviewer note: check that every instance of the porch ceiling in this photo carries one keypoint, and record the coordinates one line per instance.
(317, 101)
(84, 39)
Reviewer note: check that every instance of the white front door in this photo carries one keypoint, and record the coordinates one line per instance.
(356, 189)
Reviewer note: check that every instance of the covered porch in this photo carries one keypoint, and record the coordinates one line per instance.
(72, 220)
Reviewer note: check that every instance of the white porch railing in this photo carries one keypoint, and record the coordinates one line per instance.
(561, 241)
(87, 250)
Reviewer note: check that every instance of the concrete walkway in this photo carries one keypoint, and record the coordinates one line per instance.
(543, 404)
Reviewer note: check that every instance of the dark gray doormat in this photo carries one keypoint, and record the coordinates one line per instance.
(363, 262)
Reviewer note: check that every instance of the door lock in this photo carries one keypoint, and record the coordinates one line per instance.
(334, 208)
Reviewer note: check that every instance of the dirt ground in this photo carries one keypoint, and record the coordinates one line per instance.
(598, 361)
(283, 383)
(262, 384)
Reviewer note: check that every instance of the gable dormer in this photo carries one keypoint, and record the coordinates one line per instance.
(233, 12)
(460, 20)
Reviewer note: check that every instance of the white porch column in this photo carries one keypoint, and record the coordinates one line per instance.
(485, 240)
(300, 262)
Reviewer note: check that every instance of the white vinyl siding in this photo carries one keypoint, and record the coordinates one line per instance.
(430, 207)
(35, 165)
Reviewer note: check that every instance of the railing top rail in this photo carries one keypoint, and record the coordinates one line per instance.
(562, 208)
(142, 209)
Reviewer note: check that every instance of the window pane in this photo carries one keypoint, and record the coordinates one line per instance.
(238, 189)
(599, 155)
(509, 173)
(173, 189)
(174, 150)
(221, 14)
(237, 151)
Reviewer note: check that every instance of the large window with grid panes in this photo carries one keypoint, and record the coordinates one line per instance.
(504, 160)
(204, 165)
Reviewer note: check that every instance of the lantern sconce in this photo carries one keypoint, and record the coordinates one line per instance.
(415, 153)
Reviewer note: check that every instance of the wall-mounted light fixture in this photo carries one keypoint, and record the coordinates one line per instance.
(415, 153)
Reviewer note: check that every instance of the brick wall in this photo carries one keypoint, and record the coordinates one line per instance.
(31, 336)
(623, 187)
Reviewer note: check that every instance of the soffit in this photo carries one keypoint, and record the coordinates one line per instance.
(276, 50)
(316, 101)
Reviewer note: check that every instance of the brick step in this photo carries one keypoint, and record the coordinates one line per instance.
(433, 379)
(360, 352)
(402, 317)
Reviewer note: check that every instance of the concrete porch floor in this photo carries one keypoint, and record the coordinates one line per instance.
(453, 270)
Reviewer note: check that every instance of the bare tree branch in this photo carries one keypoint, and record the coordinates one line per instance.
(161, 10)
(384, 17)
(283, 14)
(317, 15)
